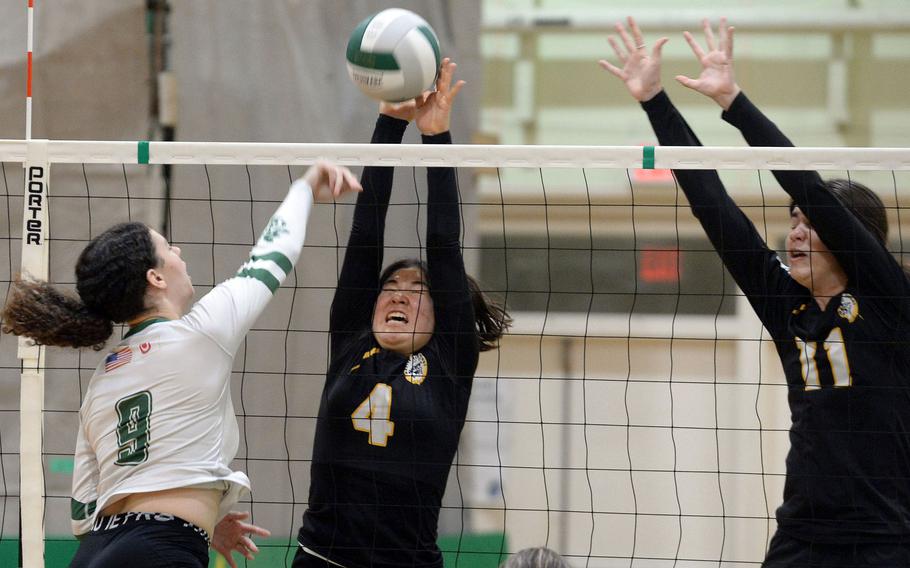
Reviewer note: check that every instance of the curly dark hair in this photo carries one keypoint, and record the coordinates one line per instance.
(111, 283)
(490, 318)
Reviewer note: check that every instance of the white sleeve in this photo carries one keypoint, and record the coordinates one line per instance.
(85, 486)
(227, 312)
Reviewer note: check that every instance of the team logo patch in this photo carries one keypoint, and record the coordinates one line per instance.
(848, 308)
(145, 347)
(276, 227)
(118, 358)
(416, 369)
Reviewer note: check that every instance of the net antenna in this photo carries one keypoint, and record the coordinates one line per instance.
(162, 93)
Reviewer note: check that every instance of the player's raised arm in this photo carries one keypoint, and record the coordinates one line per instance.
(450, 288)
(732, 234)
(229, 310)
(358, 281)
(849, 218)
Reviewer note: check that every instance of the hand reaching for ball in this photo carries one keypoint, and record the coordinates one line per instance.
(432, 109)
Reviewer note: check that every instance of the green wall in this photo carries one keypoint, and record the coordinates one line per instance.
(467, 551)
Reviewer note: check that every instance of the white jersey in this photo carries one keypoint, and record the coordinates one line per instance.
(158, 413)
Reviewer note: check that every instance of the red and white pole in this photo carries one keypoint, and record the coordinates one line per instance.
(28, 86)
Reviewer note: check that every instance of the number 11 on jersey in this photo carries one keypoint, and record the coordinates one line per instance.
(372, 415)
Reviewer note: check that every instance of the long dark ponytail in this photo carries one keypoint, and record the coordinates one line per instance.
(491, 319)
(111, 284)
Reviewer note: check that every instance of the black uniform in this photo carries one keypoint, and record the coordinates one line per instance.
(847, 367)
(375, 502)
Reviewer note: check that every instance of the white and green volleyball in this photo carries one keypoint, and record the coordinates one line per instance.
(393, 55)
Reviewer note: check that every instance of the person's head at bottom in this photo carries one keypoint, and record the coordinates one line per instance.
(538, 557)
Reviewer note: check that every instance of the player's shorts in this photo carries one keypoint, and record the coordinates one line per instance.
(788, 552)
(143, 540)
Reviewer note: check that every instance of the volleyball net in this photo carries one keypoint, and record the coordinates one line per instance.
(635, 414)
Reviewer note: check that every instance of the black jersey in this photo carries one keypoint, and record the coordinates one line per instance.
(847, 367)
(389, 425)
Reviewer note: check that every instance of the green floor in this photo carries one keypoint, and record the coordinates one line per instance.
(467, 551)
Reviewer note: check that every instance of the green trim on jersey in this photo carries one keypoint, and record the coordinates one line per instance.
(276, 257)
(263, 276)
(80, 511)
(142, 325)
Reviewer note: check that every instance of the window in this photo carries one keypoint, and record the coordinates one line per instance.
(651, 276)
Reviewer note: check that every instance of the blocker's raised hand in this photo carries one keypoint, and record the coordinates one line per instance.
(405, 110)
(641, 69)
(716, 79)
(434, 108)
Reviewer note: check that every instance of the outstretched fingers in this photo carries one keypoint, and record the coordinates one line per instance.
(709, 34)
(444, 83)
(456, 89)
(620, 53)
(231, 532)
(687, 81)
(727, 32)
(612, 69)
(696, 49)
(446, 69)
(716, 79)
(626, 38)
(636, 33)
(657, 50)
(247, 548)
(638, 67)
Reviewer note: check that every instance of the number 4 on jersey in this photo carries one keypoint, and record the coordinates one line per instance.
(372, 415)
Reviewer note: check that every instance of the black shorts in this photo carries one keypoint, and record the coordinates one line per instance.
(788, 552)
(143, 540)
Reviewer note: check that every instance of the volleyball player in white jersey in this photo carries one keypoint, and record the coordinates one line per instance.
(157, 426)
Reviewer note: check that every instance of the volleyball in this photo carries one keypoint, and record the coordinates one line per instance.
(393, 55)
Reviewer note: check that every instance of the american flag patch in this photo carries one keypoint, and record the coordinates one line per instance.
(118, 358)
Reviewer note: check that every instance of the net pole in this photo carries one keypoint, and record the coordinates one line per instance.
(34, 265)
(31, 404)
